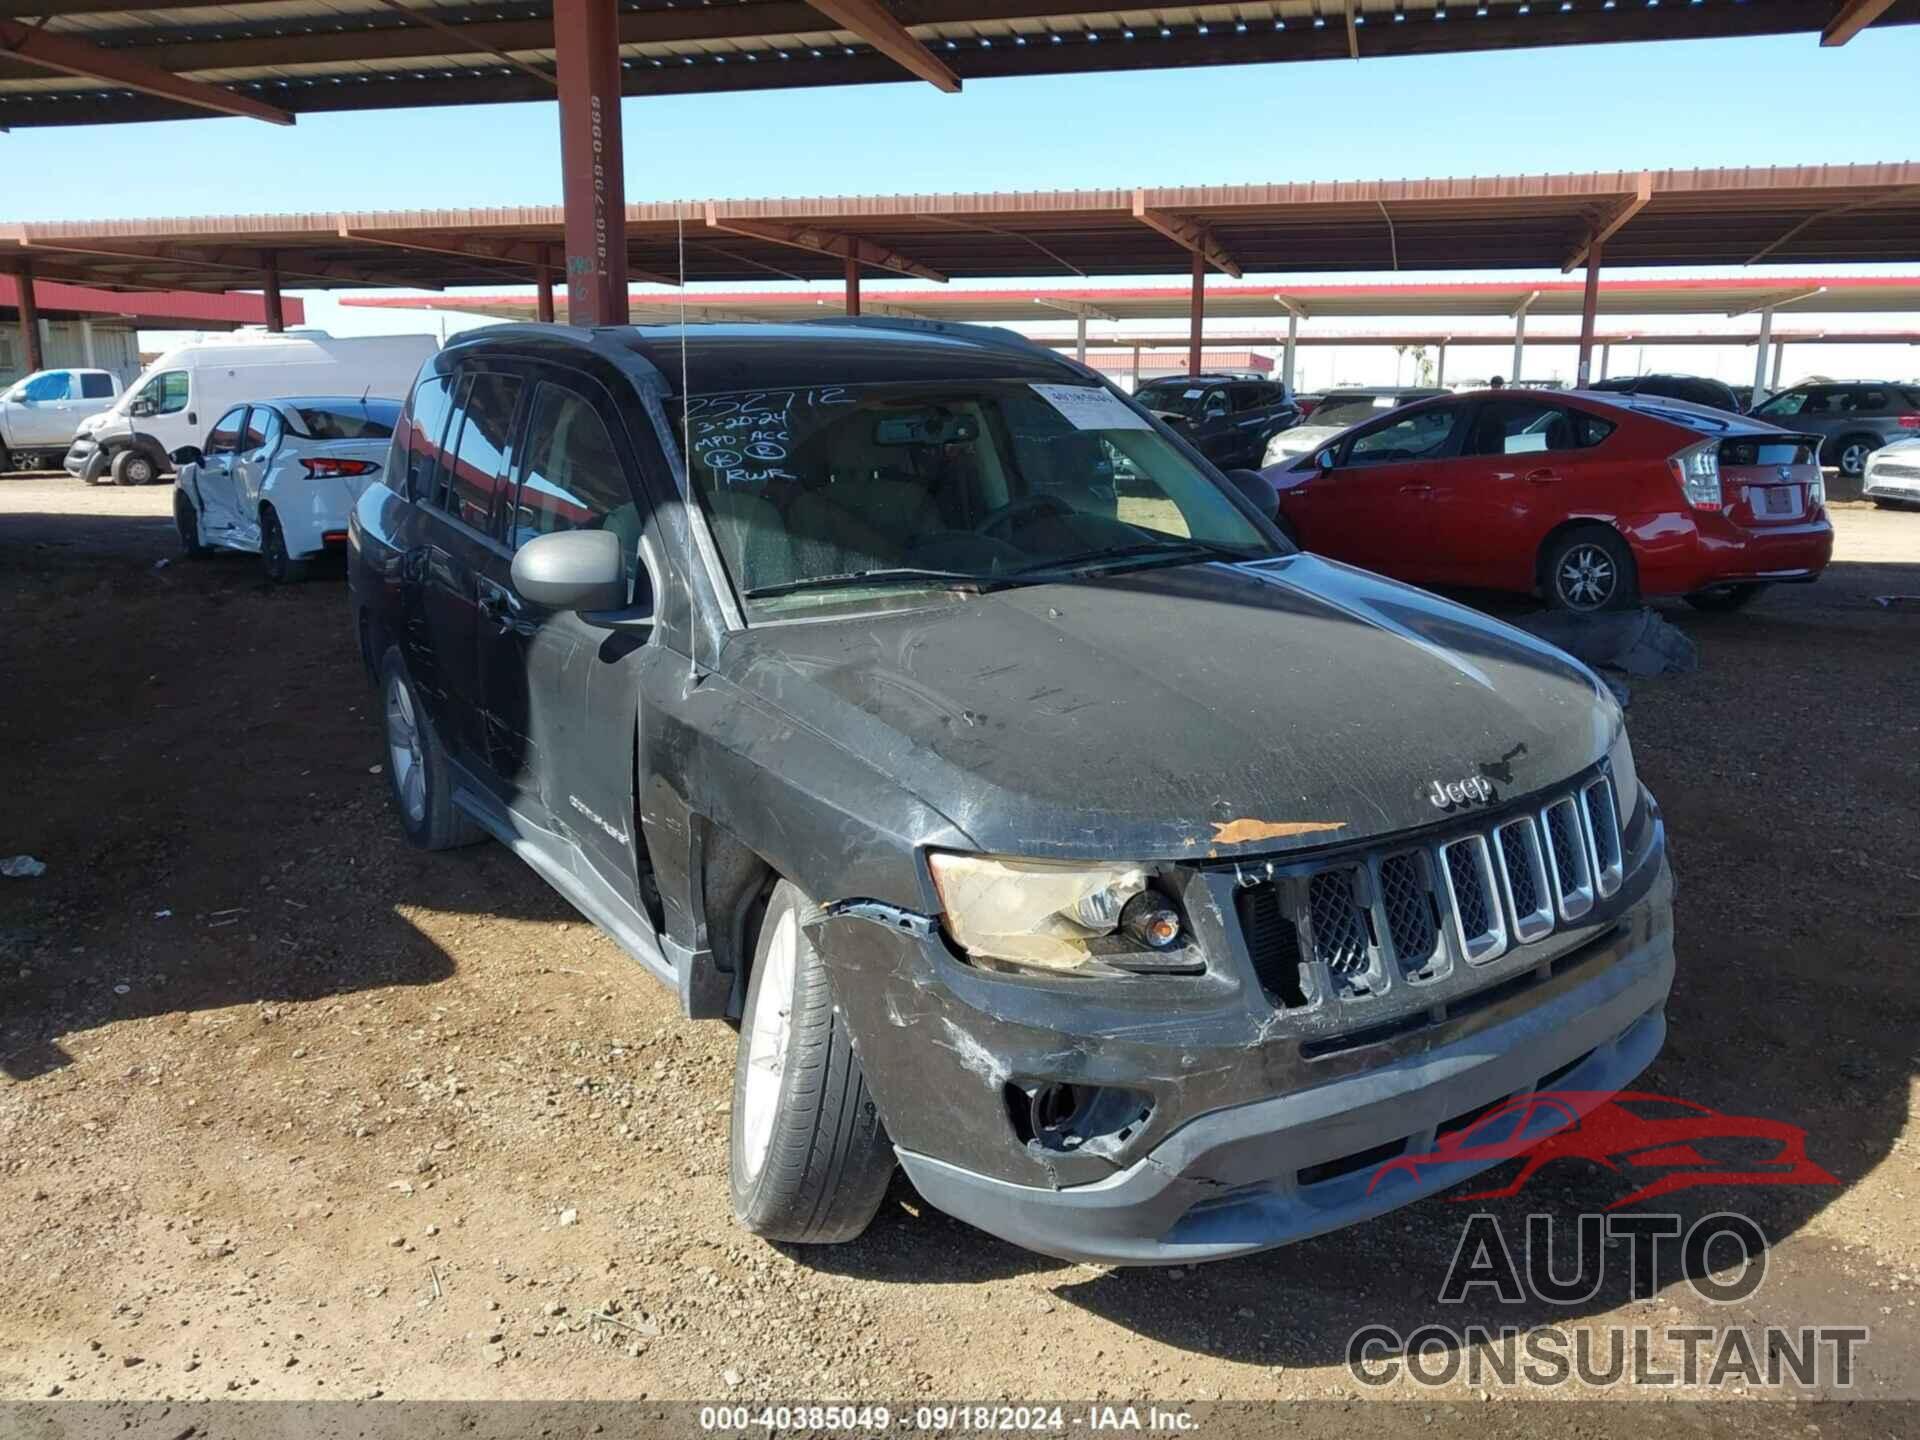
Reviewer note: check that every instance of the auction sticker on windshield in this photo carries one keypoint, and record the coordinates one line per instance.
(1087, 407)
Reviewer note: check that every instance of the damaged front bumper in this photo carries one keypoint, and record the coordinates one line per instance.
(1206, 1119)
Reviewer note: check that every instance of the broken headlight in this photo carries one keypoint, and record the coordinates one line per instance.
(1031, 912)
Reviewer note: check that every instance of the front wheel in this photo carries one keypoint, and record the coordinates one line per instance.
(1590, 570)
(1725, 597)
(417, 766)
(808, 1159)
(187, 521)
(132, 467)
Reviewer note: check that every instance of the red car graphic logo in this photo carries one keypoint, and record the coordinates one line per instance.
(1629, 1132)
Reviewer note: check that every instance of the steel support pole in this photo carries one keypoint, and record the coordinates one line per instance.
(1196, 312)
(1440, 379)
(543, 292)
(853, 286)
(276, 312)
(1779, 358)
(1293, 339)
(1080, 337)
(1136, 367)
(1606, 354)
(1519, 346)
(29, 318)
(586, 45)
(1589, 308)
(1760, 356)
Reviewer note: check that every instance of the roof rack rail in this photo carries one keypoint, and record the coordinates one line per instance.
(989, 334)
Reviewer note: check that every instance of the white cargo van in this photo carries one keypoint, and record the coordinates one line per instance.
(189, 387)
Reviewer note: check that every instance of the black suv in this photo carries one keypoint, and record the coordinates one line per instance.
(1694, 389)
(1131, 878)
(1227, 419)
(1856, 417)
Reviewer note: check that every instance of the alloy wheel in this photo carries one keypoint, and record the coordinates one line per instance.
(404, 753)
(1853, 459)
(1587, 577)
(771, 1024)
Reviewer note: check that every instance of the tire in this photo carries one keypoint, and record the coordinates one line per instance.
(416, 766)
(1725, 597)
(281, 568)
(1589, 570)
(1850, 454)
(187, 521)
(808, 1159)
(134, 467)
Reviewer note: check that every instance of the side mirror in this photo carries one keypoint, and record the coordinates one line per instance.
(140, 408)
(574, 570)
(1257, 488)
(186, 455)
(1324, 459)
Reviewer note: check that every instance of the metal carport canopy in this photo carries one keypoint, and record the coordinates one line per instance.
(103, 61)
(1799, 215)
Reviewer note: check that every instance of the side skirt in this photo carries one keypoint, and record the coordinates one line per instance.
(586, 892)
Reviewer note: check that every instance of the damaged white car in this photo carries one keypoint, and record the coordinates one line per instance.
(278, 478)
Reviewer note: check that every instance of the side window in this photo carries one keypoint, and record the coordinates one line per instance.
(224, 438)
(54, 385)
(1249, 397)
(263, 429)
(1520, 427)
(425, 424)
(1419, 435)
(1790, 402)
(1864, 401)
(1214, 403)
(95, 386)
(572, 478)
(477, 468)
(164, 394)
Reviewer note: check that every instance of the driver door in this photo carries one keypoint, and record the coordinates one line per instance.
(258, 442)
(1371, 508)
(221, 522)
(44, 416)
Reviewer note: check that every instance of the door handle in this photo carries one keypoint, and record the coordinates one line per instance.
(1416, 489)
(499, 605)
(1542, 477)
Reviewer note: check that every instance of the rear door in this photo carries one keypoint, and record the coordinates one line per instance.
(1371, 509)
(221, 522)
(1252, 417)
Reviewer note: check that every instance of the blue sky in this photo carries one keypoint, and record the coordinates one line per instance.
(1772, 101)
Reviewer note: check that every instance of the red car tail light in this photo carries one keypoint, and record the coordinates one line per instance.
(1910, 422)
(1697, 469)
(326, 468)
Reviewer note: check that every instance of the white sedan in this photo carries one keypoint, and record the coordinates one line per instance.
(278, 478)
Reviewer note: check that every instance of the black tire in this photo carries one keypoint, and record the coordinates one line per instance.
(434, 822)
(1725, 597)
(134, 467)
(1850, 454)
(187, 521)
(1589, 570)
(281, 568)
(826, 1160)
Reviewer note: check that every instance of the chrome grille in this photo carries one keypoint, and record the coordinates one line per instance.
(1525, 874)
(1356, 927)
(1339, 929)
(1572, 875)
(1404, 894)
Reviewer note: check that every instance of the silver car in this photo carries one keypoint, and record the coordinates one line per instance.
(1892, 475)
(1339, 410)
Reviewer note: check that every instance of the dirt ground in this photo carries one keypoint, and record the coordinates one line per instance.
(289, 1109)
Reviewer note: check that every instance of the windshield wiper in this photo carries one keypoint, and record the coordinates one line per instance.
(1153, 551)
(894, 575)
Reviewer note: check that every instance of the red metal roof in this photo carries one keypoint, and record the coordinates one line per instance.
(150, 310)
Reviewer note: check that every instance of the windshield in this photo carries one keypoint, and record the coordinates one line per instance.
(1351, 409)
(840, 495)
(1176, 397)
(343, 419)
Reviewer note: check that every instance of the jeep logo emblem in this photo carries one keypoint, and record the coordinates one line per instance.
(1452, 794)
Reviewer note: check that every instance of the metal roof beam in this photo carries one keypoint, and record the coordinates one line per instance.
(1292, 307)
(1851, 18)
(529, 253)
(1779, 301)
(204, 257)
(824, 242)
(67, 56)
(874, 23)
(1075, 307)
(1186, 234)
(1608, 226)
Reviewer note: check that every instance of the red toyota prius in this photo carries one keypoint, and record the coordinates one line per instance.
(1591, 501)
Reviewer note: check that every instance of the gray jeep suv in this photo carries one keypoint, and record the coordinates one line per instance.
(1141, 885)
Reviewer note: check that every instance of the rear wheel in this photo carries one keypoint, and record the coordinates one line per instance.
(808, 1159)
(417, 771)
(1850, 454)
(187, 521)
(1589, 570)
(134, 467)
(281, 568)
(1725, 597)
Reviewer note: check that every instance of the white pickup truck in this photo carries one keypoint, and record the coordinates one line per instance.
(40, 414)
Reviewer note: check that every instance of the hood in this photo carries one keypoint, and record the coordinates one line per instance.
(1210, 710)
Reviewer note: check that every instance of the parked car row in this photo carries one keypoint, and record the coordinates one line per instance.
(1228, 420)
(1591, 501)
(1137, 882)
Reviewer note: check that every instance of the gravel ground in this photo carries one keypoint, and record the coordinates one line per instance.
(289, 1109)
